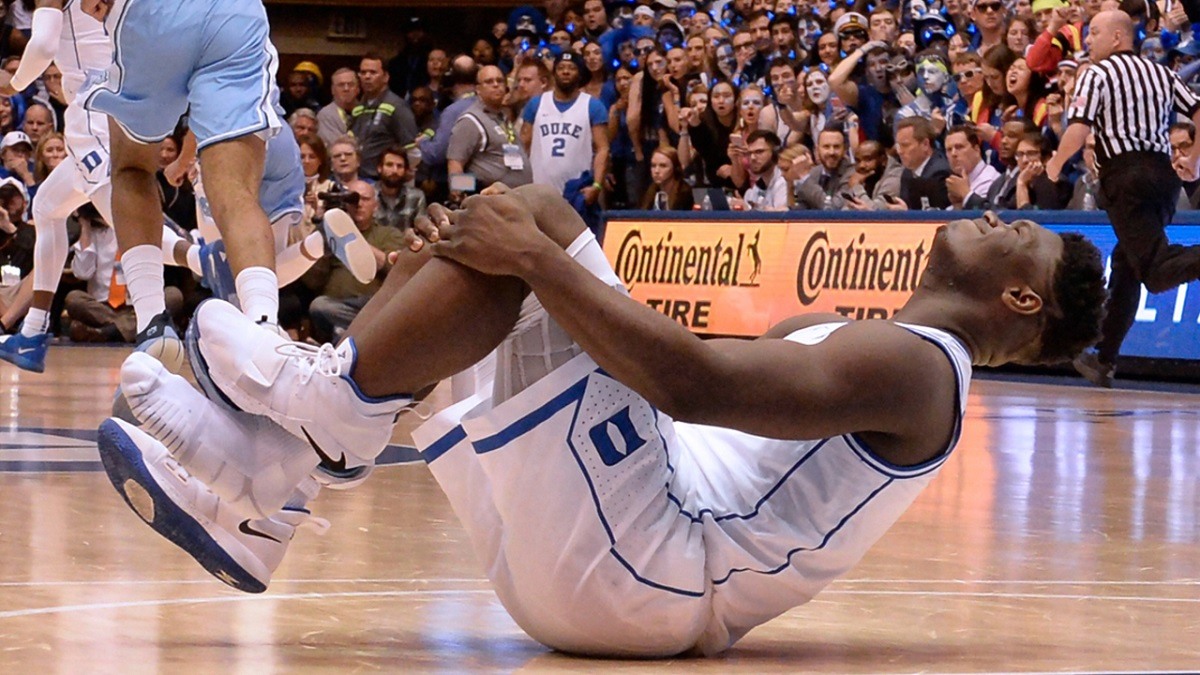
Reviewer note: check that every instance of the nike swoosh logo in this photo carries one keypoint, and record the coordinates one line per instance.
(338, 466)
(26, 350)
(245, 528)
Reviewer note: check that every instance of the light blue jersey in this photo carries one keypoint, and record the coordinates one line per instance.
(212, 57)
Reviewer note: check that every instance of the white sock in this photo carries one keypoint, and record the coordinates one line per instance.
(193, 260)
(258, 294)
(143, 267)
(295, 260)
(37, 321)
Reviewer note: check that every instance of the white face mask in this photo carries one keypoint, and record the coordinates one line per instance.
(818, 91)
(931, 77)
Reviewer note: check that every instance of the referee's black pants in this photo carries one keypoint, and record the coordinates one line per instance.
(1139, 190)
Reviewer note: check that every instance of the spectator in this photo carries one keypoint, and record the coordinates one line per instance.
(1026, 93)
(16, 150)
(968, 78)
(55, 97)
(1086, 195)
(485, 51)
(342, 296)
(345, 161)
(50, 152)
(533, 80)
(407, 69)
(566, 133)
(39, 120)
(303, 122)
(314, 160)
(8, 116)
(874, 99)
(1003, 193)
(463, 75)
(595, 19)
(830, 179)
(876, 178)
(334, 120)
(398, 201)
(101, 313)
(767, 188)
(301, 91)
(667, 191)
(986, 108)
(383, 119)
(970, 175)
(425, 110)
(16, 235)
(710, 132)
(932, 78)
(598, 86)
(484, 140)
(1019, 35)
(1182, 137)
(1034, 189)
(883, 26)
(628, 179)
(437, 67)
(988, 16)
(923, 183)
(852, 31)
(176, 193)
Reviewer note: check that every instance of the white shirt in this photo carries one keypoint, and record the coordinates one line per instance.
(771, 198)
(981, 178)
(96, 262)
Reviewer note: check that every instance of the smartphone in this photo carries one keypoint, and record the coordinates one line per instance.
(847, 196)
(737, 140)
(892, 199)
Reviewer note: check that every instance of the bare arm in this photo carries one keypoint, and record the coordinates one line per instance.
(527, 136)
(768, 387)
(839, 77)
(1072, 141)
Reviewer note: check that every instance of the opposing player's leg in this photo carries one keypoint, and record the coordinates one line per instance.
(138, 219)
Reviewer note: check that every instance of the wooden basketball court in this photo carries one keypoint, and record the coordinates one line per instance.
(1064, 536)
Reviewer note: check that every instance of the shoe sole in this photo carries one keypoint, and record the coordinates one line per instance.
(200, 367)
(356, 254)
(25, 363)
(152, 501)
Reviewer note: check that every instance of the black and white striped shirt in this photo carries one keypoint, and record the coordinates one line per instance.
(1128, 101)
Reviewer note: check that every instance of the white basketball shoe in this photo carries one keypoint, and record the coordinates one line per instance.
(241, 552)
(307, 390)
(247, 460)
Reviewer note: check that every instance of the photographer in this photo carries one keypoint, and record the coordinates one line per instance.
(341, 295)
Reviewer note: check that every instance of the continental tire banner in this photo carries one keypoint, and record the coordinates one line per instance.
(740, 277)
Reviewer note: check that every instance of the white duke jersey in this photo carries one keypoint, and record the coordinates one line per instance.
(84, 47)
(783, 519)
(561, 149)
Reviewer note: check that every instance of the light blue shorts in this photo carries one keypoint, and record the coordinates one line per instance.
(212, 56)
(283, 185)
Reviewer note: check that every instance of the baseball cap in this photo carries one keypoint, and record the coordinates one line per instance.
(850, 21)
(1040, 5)
(643, 10)
(15, 138)
(665, 4)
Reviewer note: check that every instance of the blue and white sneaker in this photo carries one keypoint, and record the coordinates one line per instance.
(309, 391)
(26, 353)
(347, 244)
(243, 553)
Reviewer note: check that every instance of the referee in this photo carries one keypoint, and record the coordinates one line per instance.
(1128, 102)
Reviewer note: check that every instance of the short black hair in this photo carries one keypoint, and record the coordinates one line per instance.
(1073, 322)
(968, 131)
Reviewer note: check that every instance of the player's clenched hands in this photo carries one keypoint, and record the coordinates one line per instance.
(494, 234)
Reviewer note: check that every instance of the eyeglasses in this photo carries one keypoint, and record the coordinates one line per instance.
(990, 7)
(1028, 154)
(854, 34)
(744, 45)
(966, 75)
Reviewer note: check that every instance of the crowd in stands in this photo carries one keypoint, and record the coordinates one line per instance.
(772, 105)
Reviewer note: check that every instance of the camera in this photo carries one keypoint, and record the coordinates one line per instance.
(339, 198)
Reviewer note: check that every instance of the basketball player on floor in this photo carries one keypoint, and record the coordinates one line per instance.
(631, 489)
(78, 44)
